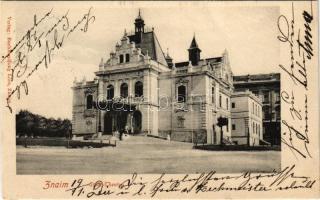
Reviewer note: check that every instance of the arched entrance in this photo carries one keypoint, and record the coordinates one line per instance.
(108, 122)
(137, 122)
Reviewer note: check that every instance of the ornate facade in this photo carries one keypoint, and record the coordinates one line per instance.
(140, 88)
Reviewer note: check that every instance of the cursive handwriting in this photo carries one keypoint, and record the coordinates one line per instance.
(301, 52)
(286, 179)
(36, 48)
(297, 71)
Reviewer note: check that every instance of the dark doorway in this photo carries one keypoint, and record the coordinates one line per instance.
(108, 121)
(137, 122)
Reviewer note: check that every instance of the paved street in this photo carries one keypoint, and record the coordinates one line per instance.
(142, 155)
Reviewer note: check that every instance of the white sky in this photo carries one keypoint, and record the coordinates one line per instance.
(248, 33)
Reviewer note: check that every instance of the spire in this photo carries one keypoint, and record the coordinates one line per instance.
(125, 32)
(139, 28)
(169, 59)
(194, 51)
(168, 56)
(194, 43)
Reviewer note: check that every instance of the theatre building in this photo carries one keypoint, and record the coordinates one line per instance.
(140, 88)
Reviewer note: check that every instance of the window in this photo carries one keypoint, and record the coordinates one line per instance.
(124, 90)
(227, 103)
(110, 92)
(127, 57)
(266, 96)
(256, 93)
(256, 109)
(277, 96)
(233, 127)
(228, 126)
(181, 94)
(278, 113)
(89, 101)
(220, 99)
(252, 111)
(233, 105)
(252, 127)
(121, 58)
(266, 112)
(212, 93)
(138, 89)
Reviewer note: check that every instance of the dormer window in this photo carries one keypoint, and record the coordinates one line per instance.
(121, 58)
(127, 57)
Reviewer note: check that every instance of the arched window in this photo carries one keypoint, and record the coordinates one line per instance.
(89, 101)
(138, 89)
(124, 90)
(182, 93)
(110, 92)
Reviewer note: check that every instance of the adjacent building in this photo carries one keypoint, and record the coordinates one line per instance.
(267, 88)
(246, 118)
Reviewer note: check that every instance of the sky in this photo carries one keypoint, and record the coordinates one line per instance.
(249, 33)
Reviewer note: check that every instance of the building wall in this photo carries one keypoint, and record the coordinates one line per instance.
(267, 87)
(84, 121)
(246, 113)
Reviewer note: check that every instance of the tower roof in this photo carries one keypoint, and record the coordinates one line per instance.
(194, 43)
(139, 18)
(149, 43)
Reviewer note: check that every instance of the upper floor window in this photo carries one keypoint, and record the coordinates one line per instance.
(253, 127)
(138, 89)
(110, 92)
(277, 96)
(266, 112)
(212, 93)
(233, 105)
(256, 93)
(89, 102)
(227, 103)
(266, 96)
(252, 108)
(278, 112)
(182, 93)
(127, 57)
(124, 90)
(220, 101)
(121, 58)
(256, 111)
